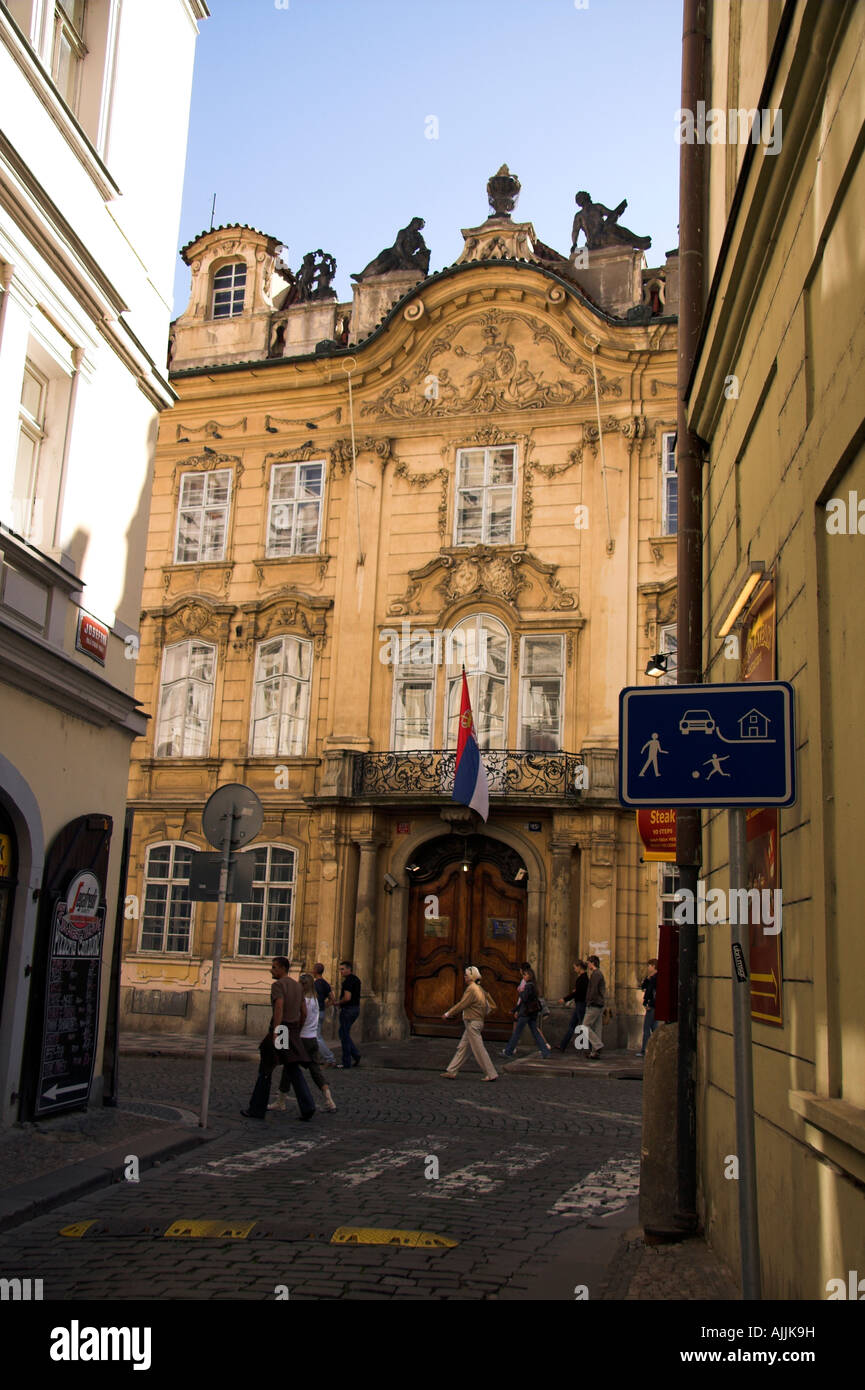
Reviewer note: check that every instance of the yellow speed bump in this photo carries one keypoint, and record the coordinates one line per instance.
(213, 1230)
(372, 1235)
(77, 1229)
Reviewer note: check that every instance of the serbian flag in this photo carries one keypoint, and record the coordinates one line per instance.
(470, 779)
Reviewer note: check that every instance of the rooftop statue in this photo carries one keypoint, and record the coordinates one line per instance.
(313, 280)
(409, 252)
(600, 225)
(503, 190)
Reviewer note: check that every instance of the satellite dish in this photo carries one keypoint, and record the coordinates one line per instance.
(237, 801)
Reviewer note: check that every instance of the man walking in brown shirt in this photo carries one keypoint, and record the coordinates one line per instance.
(282, 1044)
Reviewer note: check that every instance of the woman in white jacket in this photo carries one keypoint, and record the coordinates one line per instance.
(474, 1007)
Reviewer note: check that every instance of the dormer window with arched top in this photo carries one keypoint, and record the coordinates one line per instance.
(229, 290)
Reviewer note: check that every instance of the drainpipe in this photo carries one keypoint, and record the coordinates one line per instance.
(689, 456)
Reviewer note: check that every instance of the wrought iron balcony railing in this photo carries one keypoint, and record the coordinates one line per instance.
(510, 773)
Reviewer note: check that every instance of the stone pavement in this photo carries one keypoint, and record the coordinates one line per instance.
(536, 1184)
(424, 1054)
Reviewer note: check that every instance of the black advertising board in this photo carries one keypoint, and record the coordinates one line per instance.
(72, 997)
(62, 1040)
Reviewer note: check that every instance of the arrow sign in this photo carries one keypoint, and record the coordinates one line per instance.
(63, 1090)
(707, 745)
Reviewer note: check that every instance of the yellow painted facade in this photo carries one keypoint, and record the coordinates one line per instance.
(778, 397)
(495, 356)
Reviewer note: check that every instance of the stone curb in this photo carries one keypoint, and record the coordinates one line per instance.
(30, 1199)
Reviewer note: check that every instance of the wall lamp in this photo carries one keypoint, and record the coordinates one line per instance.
(756, 570)
(657, 666)
(520, 875)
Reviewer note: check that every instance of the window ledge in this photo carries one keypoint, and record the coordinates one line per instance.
(42, 85)
(317, 559)
(836, 1117)
(834, 1128)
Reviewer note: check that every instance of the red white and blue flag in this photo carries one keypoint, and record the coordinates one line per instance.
(470, 779)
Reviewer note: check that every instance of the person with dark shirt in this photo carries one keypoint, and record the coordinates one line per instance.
(324, 995)
(596, 999)
(578, 997)
(649, 988)
(526, 1013)
(282, 1044)
(349, 1008)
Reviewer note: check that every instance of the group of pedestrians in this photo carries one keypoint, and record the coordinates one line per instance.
(589, 998)
(295, 1040)
(294, 1037)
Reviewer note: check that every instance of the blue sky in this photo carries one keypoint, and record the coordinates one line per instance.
(310, 122)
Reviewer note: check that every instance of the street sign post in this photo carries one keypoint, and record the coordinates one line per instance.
(232, 817)
(707, 745)
(727, 746)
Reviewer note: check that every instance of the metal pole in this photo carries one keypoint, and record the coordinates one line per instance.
(749, 1241)
(227, 838)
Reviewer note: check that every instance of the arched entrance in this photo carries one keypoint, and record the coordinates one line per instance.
(467, 906)
(8, 883)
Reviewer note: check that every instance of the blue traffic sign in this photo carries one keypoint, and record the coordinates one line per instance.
(707, 745)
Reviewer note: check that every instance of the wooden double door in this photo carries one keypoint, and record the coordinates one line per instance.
(464, 916)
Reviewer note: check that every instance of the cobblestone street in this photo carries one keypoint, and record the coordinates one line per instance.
(529, 1172)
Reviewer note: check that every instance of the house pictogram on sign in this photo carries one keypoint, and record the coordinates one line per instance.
(753, 725)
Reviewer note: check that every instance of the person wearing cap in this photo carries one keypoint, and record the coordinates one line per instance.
(474, 1007)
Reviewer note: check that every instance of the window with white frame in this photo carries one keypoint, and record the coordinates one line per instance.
(541, 685)
(229, 290)
(481, 644)
(166, 924)
(202, 522)
(31, 434)
(413, 700)
(667, 646)
(280, 707)
(669, 486)
(264, 924)
(668, 888)
(486, 484)
(67, 49)
(186, 700)
(294, 515)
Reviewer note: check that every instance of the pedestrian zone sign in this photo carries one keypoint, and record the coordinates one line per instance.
(707, 745)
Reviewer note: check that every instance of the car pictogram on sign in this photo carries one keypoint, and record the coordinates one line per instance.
(696, 721)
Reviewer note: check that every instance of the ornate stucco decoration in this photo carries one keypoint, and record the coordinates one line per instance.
(286, 611)
(272, 421)
(189, 616)
(661, 607)
(510, 574)
(207, 461)
(422, 480)
(488, 368)
(546, 470)
(341, 453)
(211, 429)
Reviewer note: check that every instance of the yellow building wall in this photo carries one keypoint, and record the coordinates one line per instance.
(788, 319)
(608, 601)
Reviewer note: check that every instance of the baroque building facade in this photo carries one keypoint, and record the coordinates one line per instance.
(91, 176)
(776, 395)
(353, 501)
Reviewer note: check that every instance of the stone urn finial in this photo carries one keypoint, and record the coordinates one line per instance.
(503, 190)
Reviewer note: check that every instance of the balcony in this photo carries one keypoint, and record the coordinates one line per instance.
(552, 778)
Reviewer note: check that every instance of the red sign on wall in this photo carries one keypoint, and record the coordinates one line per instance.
(656, 827)
(91, 637)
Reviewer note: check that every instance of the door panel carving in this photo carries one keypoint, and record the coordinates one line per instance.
(477, 918)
